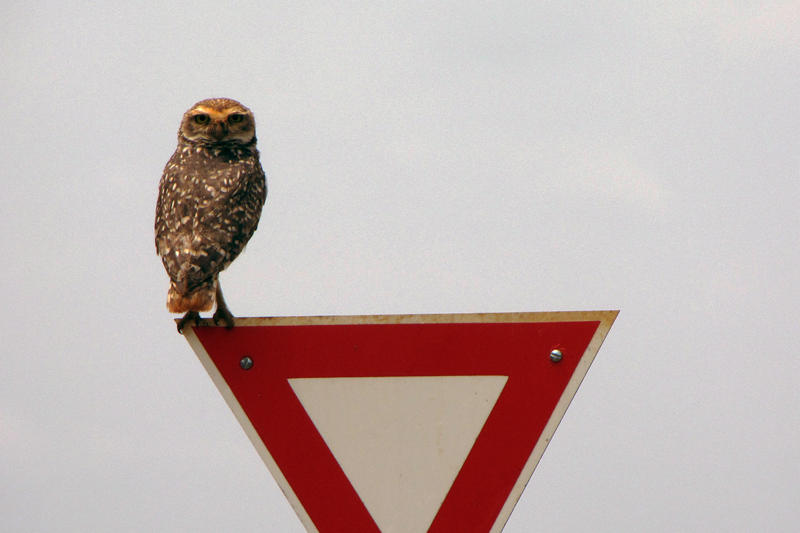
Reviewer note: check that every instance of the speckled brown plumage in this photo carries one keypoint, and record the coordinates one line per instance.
(209, 203)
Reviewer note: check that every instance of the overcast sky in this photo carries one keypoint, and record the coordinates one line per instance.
(422, 158)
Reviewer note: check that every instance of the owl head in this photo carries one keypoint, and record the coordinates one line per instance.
(218, 121)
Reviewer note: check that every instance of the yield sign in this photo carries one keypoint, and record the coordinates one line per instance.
(402, 423)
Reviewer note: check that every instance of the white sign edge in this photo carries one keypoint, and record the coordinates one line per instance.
(437, 318)
(606, 319)
(249, 430)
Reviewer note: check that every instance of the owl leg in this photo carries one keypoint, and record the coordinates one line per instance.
(222, 314)
(191, 316)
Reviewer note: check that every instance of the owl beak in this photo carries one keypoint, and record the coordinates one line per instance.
(218, 130)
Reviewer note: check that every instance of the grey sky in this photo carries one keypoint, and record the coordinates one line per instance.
(422, 157)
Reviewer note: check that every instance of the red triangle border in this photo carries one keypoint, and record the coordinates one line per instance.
(517, 430)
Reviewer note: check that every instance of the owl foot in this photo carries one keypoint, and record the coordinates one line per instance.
(190, 316)
(223, 315)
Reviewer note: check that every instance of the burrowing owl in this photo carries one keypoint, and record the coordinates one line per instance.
(209, 203)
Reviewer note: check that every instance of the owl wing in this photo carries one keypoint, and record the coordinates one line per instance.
(245, 202)
(201, 228)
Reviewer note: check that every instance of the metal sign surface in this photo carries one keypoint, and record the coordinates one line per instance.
(402, 422)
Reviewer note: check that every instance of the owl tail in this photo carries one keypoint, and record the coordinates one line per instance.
(200, 299)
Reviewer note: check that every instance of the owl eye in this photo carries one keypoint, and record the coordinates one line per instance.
(235, 118)
(201, 118)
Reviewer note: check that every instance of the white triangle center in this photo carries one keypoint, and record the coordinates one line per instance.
(401, 441)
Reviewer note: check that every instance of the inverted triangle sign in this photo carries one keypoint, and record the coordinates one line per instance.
(402, 423)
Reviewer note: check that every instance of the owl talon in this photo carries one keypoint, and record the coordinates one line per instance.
(191, 316)
(223, 315)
